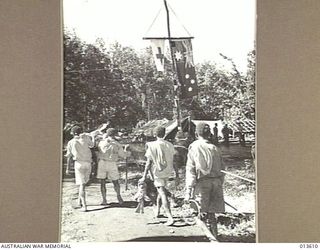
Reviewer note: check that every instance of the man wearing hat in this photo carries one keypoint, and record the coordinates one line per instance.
(78, 149)
(204, 176)
(159, 156)
(109, 152)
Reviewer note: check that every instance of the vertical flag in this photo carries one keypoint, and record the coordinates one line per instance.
(183, 57)
(158, 50)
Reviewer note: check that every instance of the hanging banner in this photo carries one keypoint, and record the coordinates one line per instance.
(158, 51)
(183, 56)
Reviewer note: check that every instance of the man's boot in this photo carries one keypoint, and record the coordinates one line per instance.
(212, 221)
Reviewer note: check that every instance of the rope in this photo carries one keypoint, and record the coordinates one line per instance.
(179, 20)
(243, 178)
(228, 204)
(85, 70)
(179, 146)
(153, 21)
(223, 171)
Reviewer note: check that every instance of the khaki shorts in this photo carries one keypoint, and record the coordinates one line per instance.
(108, 169)
(168, 183)
(82, 171)
(210, 193)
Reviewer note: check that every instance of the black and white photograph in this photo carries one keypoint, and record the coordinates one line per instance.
(159, 121)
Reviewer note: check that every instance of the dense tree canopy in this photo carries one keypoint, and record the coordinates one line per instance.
(120, 84)
(227, 94)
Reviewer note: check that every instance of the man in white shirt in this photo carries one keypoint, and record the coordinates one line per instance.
(159, 155)
(204, 176)
(109, 152)
(78, 149)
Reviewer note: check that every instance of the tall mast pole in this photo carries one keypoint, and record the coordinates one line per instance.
(177, 92)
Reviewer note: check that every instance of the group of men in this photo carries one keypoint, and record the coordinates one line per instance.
(203, 169)
(214, 138)
(109, 150)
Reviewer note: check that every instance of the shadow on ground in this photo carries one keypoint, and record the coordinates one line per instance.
(221, 238)
(171, 239)
(239, 239)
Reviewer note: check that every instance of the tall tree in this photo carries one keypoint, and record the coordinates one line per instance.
(122, 85)
(95, 88)
(227, 94)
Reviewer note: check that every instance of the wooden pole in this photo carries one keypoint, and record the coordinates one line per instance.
(148, 111)
(165, 38)
(169, 32)
(126, 180)
(237, 176)
(177, 95)
(205, 230)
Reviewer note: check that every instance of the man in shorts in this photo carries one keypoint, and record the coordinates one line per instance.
(204, 176)
(78, 149)
(109, 152)
(159, 156)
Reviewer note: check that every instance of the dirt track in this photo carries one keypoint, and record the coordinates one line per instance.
(113, 223)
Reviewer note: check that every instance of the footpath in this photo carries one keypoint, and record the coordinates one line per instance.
(114, 223)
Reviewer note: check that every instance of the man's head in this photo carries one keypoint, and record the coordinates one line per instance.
(203, 130)
(103, 127)
(180, 135)
(76, 130)
(216, 124)
(160, 131)
(141, 184)
(111, 132)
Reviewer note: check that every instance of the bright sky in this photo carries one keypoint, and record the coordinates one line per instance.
(219, 26)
